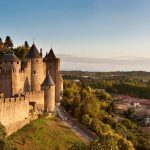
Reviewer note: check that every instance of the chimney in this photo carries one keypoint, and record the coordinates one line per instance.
(41, 52)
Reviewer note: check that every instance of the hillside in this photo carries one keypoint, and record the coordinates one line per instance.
(44, 134)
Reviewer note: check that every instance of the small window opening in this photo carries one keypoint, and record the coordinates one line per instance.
(17, 62)
(34, 72)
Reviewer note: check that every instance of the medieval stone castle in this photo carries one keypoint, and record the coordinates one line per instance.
(27, 87)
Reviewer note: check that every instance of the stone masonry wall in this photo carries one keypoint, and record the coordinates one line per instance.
(37, 97)
(14, 113)
(53, 66)
(6, 82)
(49, 98)
(37, 74)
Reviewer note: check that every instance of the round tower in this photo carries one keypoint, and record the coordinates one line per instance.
(37, 68)
(10, 66)
(10, 62)
(53, 66)
(49, 93)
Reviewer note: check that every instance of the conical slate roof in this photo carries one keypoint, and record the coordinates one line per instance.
(50, 55)
(48, 80)
(10, 57)
(33, 52)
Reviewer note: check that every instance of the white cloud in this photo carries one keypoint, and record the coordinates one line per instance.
(118, 63)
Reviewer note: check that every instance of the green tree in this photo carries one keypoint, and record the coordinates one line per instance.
(21, 51)
(129, 112)
(90, 104)
(86, 120)
(8, 44)
(107, 141)
(1, 44)
(104, 95)
(26, 45)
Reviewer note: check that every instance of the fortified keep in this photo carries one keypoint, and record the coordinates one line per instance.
(33, 85)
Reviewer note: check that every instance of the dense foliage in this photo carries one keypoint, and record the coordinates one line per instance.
(107, 141)
(7, 47)
(135, 84)
(82, 103)
(95, 111)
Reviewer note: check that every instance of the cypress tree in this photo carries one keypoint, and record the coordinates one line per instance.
(26, 44)
(8, 43)
(1, 44)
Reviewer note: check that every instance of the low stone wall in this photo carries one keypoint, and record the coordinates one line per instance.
(14, 112)
(37, 97)
(16, 126)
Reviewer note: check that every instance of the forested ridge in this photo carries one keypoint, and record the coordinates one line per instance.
(136, 83)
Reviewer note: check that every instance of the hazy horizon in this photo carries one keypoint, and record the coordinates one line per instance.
(120, 63)
(87, 35)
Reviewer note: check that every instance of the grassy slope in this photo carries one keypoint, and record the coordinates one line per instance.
(44, 134)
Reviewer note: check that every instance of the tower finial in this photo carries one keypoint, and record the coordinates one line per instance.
(51, 45)
(33, 40)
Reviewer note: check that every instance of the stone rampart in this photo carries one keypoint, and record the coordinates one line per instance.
(14, 113)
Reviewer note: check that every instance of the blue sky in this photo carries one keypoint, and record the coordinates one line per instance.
(112, 34)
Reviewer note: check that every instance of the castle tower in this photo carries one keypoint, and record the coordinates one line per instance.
(49, 93)
(10, 67)
(37, 68)
(53, 66)
(10, 62)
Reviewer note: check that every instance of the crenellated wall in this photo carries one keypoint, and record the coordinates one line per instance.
(14, 113)
(37, 97)
(20, 82)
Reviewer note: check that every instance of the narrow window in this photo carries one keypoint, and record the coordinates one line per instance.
(17, 62)
(34, 71)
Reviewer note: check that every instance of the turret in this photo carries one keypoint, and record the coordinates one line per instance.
(49, 93)
(10, 62)
(41, 52)
(10, 67)
(53, 66)
(37, 68)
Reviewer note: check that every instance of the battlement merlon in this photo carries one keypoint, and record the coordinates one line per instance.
(27, 97)
(12, 100)
(10, 71)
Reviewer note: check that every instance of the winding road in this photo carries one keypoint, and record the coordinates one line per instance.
(76, 127)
